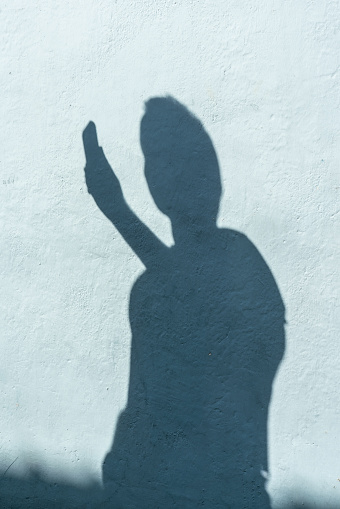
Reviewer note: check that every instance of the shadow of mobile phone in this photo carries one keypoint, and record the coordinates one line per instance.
(90, 141)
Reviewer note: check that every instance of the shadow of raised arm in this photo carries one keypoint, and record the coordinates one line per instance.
(104, 186)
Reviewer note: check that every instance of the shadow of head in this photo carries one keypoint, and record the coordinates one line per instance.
(181, 165)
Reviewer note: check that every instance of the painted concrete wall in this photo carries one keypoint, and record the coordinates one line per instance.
(263, 79)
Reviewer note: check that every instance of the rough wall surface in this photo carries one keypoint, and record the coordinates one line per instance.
(263, 78)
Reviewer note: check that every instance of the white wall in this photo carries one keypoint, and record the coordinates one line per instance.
(263, 77)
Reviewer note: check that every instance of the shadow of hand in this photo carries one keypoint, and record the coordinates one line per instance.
(99, 175)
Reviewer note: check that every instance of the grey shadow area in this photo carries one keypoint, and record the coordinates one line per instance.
(36, 493)
(207, 323)
(307, 501)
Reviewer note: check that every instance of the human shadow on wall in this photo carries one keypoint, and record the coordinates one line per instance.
(207, 323)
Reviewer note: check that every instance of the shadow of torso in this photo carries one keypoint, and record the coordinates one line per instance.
(207, 338)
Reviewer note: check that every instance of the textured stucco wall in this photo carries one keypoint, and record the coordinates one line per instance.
(263, 78)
